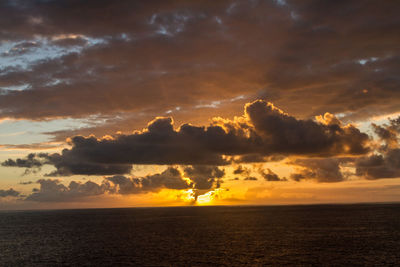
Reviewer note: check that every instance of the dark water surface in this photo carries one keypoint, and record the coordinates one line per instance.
(328, 235)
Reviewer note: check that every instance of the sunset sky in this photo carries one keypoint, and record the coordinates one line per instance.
(171, 103)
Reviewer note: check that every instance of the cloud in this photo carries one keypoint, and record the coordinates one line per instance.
(30, 161)
(200, 179)
(263, 130)
(267, 174)
(323, 170)
(71, 41)
(241, 170)
(388, 133)
(384, 163)
(26, 183)
(171, 178)
(320, 59)
(33, 146)
(379, 166)
(270, 175)
(20, 48)
(176, 58)
(250, 178)
(286, 134)
(53, 191)
(9, 193)
(205, 177)
(66, 166)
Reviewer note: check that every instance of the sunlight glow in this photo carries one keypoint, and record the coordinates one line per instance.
(207, 198)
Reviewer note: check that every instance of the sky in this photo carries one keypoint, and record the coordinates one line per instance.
(177, 103)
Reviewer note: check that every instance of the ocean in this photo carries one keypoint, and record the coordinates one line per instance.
(313, 235)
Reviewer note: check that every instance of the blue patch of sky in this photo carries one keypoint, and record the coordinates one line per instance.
(364, 61)
(28, 132)
(14, 55)
(217, 103)
(16, 87)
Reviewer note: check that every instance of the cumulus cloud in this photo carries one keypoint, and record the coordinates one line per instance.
(286, 134)
(171, 178)
(241, 170)
(200, 179)
(263, 130)
(269, 175)
(9, 193)
(384, 163)
(377, 166)
(54, 191)
(30, 161)
(324, 170)
(389, 133)
(66, 166)
(205, 177)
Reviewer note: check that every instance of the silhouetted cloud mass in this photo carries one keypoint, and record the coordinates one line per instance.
(54, 191)
(9, 193)
(206, 89)
(198, 178)
(204, 177)
(264, 130)
(270, 176)
(378, 166)
(171, 178)
(325, 170)
(384, 163)
(30, 161)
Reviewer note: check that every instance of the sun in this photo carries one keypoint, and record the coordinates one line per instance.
(187, 196)
(205, 199)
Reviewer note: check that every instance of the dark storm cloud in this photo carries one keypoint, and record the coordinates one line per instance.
(8, 193)
(263, 129)
(306, 56)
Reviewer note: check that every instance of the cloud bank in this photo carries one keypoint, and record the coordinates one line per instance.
(263, 130)
(308, 57)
